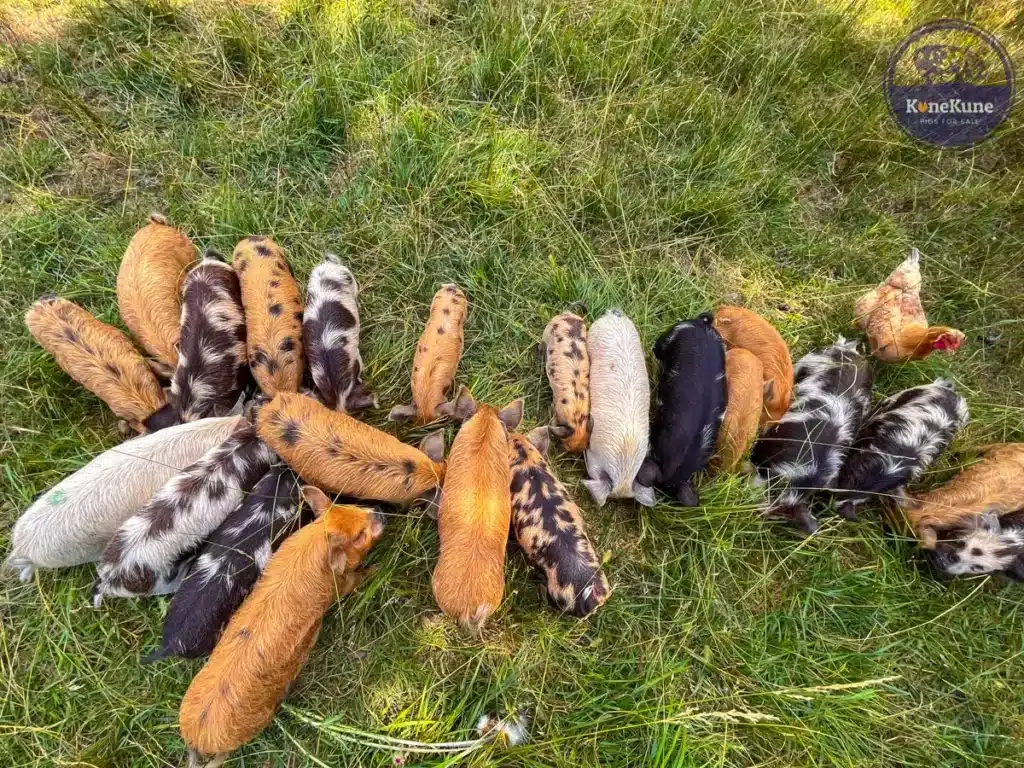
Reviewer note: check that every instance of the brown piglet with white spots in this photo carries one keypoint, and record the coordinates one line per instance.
(273, 314)
(476, 509)
(437, 357)
(268, 640)
(567, 365)
(346, 456)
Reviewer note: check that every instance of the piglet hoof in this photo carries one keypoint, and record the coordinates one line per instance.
(687, 497)
(124, 429)
(847, 511)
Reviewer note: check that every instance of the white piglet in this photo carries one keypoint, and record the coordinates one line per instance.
(72, 522)
(620, 401)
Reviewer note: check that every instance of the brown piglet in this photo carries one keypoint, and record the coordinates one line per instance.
(437, 356)
(268, 640)
(742, 328)
(149, 282)
(97, 356)
(273, 314)
(346, 456)
(996, 483)
(476, 509)
(745, 402)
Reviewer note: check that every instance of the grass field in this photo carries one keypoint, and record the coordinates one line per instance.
(660, 156)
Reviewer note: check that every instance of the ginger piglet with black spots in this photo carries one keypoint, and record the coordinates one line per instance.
(346, 456)
(476, 509)
(437, 357)
(267, 642)
(149, 283)
(567, 365)
(97, 356)
(273, 315)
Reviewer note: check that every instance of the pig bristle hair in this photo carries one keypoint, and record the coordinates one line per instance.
(514, 728)
(23, 566)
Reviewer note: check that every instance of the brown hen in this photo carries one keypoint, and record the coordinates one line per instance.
(894, 320)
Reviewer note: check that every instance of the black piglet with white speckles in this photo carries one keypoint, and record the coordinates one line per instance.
(549, 527)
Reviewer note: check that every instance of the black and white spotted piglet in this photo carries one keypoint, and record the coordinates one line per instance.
(900, 438)
(213, 368)
(803, 452)
(691, 404)
(151, 550)
(229, 563)
(330, 334)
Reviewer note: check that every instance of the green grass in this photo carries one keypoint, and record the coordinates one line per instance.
(658, 156)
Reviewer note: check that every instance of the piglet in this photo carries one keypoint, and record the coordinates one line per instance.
(987, 543)
(228, 564)
(995, 483)
(549, 528)
(149, 283)
(620, 401)
(273, 314)
(268, 640)
(347, 456)
(72, 522)
(898, 441)
(691, 403)
(568, 368)
(476, 508)
(437, 356)
(804, 451)
(745, 396)
(330, 334)
(98, 357)
(151, 550)
(743, 329)
(212, 367)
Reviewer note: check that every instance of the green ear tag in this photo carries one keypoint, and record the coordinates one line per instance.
(57, 497)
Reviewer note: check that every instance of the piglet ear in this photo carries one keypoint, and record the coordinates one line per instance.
(512, 414)
(769, 389)
(541, 439)
(1016, 569)
(465, 405)
(316, 499)
(433, 445)
(337, 558)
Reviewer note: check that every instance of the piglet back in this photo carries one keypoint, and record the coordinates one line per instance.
(620, 400)
(229, 563)
(744, 383)
(438, 352)
(97, 356)
(273, 314)
(212, 367)
(263, 647)
(330, 333)
(73, 521)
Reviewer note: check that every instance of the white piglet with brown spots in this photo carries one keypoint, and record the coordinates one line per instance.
(620, 403)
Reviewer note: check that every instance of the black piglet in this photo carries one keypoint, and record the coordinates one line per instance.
(690, 407)
(228, 565)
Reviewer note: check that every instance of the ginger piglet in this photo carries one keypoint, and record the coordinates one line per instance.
(742, 328)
